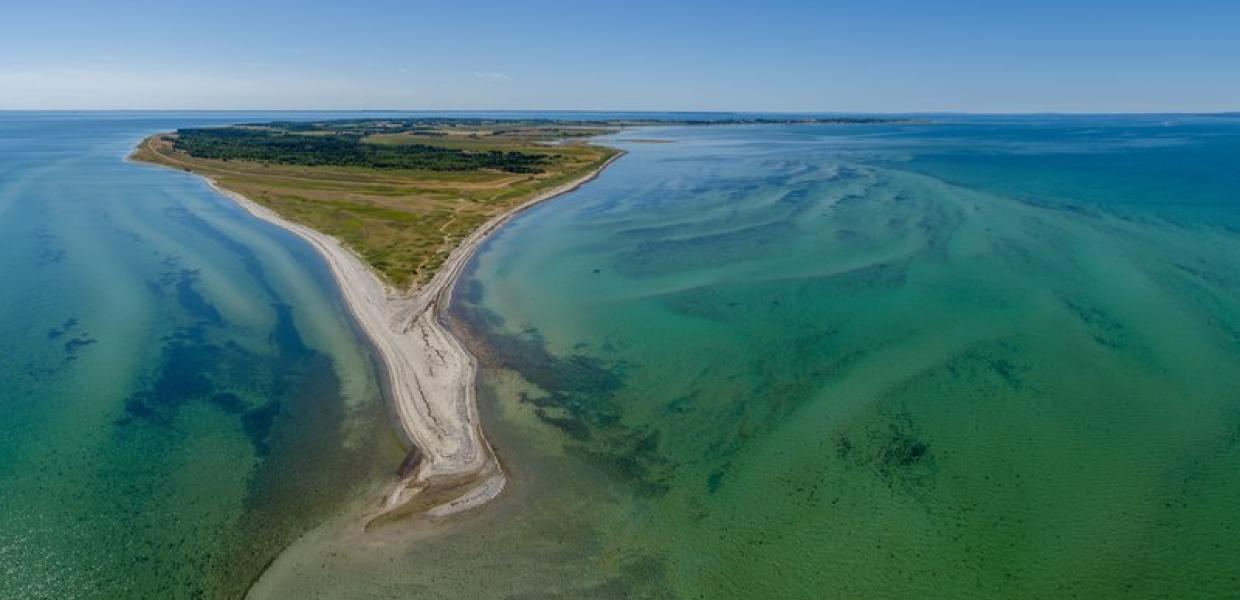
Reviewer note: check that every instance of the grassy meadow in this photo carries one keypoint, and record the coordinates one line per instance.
(403, 222)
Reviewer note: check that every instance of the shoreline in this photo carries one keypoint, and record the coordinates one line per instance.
(428, 373)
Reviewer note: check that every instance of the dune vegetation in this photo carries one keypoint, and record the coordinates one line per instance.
(401, 193)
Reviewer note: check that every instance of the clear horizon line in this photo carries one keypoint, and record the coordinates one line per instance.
(623, 111)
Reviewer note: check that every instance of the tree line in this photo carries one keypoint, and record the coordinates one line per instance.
(266, 145)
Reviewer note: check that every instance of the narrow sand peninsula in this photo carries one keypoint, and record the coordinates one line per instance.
(431, 376)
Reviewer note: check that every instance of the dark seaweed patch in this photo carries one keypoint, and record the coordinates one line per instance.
(64, 328)
(137, 408)
(843, 447)
(891, 446)
(79, 342)
(257, 424)
(715, 479)
(285, 400)
(993, 360)
(1103, 328)
(47, 248)
(572, 427)
(193, 368)
(192, 301)
(1207, 276)
(285, 334)
(882, 276)
(249, 260)
(75, 344)
(681, 404)
(470, 291)
(228, 402)
(579, 401)
(903, 450)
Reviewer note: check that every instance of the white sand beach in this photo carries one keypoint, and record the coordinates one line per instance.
(431, 376)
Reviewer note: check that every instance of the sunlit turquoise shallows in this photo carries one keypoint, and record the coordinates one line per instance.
(966, 358)
(181, 392)
(972, 358)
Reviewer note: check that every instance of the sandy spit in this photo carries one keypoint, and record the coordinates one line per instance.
(431, 376)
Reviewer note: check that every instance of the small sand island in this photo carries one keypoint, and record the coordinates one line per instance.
(397, 207)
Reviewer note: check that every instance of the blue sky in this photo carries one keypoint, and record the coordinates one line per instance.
(775, 55)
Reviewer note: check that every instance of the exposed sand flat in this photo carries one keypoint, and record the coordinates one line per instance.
(431, 376)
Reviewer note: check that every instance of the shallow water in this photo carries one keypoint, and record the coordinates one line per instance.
(975, 358)
(183, 392)
(981, 357)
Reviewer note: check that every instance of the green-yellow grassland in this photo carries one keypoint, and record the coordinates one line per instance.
(404, 223)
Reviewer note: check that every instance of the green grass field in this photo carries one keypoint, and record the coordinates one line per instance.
(403, 222)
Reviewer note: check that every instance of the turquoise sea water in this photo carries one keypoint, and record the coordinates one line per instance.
(182, 394)
(979, 357)
(976, 358)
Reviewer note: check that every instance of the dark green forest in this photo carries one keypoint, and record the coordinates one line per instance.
(343, 149)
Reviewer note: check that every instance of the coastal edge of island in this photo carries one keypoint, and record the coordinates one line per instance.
(430, 375)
